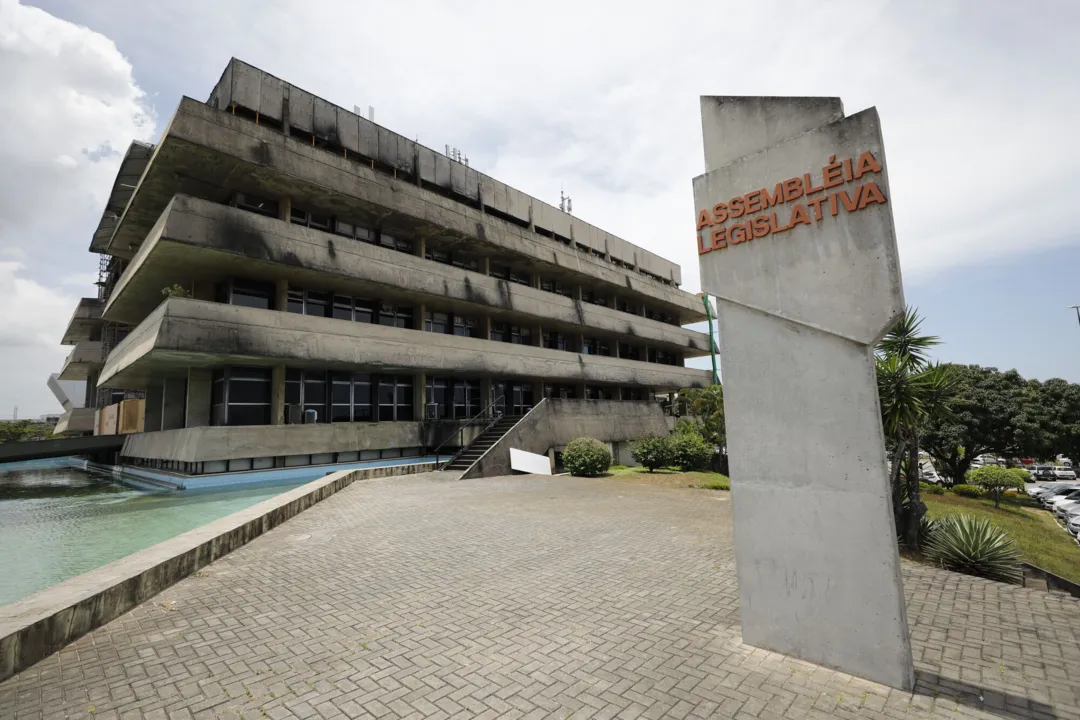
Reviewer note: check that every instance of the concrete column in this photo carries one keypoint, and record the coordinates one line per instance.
(173, 403)
(421, 246)
(539, 330)
(281, 294)
(487, 327)
(420, 313)
(536, 280)
(577, 293)
(579, 391)
(197, 413)
(486, 397)
(152, 411)
(485, 264)
(277, 395)
(419, 395)
(538, 392)
(285, 209)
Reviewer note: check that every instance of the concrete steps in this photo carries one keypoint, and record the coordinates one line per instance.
(474, 450)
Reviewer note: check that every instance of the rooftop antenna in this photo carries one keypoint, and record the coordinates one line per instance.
(370, 112)
(1077, 309)
(566, 204)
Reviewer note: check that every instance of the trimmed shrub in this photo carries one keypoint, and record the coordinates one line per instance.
(652, 452)
(967, 490)
(974, 546)
(1021, 474)
(995, 480)
(586, 457)
(690, 451)
(929, 489)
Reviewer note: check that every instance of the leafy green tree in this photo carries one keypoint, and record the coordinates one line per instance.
(23, 430)
(911, 389)
(995, 480)
(707, 405)
(653, 452)
(990, 412)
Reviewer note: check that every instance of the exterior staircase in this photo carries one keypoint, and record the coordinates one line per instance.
(483, 442)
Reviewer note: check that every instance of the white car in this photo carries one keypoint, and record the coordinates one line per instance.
(1060, 495)
(1063, 473)
(1066, 508)
(1074, 524)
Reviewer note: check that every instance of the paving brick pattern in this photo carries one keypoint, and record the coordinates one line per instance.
(527, 597)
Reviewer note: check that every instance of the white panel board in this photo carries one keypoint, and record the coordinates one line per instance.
(529, 462)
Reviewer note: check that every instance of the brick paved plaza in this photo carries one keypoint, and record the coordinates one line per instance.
(426, 597)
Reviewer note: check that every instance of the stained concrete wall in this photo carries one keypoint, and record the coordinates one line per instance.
(195, 444)
(83, 360)
(33, 628)
(256, 90)
(210, 241)
(554, 422)
(214, 148)
(185, 333)
(173, 402)
(799, 312)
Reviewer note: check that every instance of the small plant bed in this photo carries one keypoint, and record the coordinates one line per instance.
(1035, 533)
(672, 477)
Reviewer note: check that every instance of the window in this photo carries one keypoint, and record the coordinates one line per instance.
(255, 204)
(629, 307)
(555, 340)
(317, 304)
(353, 231)
(440, 256)
(437, 322)
(311, 219)
(466, 327)
(593, 297)
(499, 271)
(509, 333)
(395, 395)
(315, 394)
(251, 294)
(395, 243)
(520, 277)
(629, 352)
(395, 316)
(343, 307)
(514, 399)
(350, 397)
(437, 398)
(466, 399)
(564, 392)
(240, 396)
(296, 301)
(363, 310)
(588, 346)
(554, 286)
(603, 348)
(596, 392)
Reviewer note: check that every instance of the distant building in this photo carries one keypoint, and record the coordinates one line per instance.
(284, 282)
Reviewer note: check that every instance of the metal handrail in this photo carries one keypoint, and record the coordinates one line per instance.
(460, 434)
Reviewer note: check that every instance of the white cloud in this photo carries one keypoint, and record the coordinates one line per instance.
(70, 107)
(34, 318)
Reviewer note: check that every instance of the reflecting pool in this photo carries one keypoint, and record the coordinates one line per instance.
(58, 522)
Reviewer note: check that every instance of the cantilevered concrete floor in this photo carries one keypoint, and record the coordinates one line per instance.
(527, 597)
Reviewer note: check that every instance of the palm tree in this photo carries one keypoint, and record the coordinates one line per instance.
(911, 389)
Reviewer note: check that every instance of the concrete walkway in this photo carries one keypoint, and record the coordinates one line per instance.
(527, 597)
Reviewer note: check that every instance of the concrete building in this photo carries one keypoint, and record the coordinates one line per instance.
(285, 282)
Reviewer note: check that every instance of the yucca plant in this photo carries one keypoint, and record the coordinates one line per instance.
(974, 546)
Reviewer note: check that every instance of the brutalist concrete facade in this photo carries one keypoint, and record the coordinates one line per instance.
(284, 262)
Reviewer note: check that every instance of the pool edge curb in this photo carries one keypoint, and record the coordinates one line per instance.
(39, 625)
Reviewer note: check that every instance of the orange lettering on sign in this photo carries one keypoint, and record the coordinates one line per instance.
(833, 175)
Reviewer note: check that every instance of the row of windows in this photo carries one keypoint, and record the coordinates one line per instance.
(344, 307)
(350, 397)
(327, 223)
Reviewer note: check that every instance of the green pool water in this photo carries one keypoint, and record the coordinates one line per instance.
(58, 522)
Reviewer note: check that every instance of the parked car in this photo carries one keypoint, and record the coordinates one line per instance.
(1073, 525)
(1051, 487)
(1042, 472)
(930, 475)
(1064, 473)
(1048, 498)
(1067, 508)
(1065, 495)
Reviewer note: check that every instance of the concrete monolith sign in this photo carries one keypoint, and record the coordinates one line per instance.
(796, 242)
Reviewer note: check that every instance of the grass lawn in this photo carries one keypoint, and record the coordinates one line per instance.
(669, 477)
(1040, 539)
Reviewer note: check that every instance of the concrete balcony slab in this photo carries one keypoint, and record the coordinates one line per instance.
(82, 361)
(196, 238)
(183, 333)
(84, 321)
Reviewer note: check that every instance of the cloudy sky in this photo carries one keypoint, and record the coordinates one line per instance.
(978, 101)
